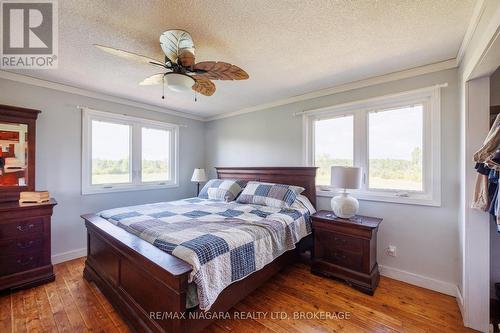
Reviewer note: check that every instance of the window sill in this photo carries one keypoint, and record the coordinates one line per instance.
(384, 197)
(126, 188)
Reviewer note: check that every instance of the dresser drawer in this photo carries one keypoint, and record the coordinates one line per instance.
(21, 262)
(21, 228)
(20, 245)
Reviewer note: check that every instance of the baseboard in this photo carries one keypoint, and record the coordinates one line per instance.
(70, 255)
(419, 280)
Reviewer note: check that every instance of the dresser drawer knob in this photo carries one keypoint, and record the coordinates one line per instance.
(25, 227)
(339, 256)
(24, 261)
(25, 245)
(340, 240)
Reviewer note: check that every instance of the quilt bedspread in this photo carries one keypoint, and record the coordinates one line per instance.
(224, 242)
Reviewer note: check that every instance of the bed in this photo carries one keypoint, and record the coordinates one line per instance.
(149, 287)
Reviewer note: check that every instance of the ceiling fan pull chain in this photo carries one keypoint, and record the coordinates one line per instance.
(163, 88)
(195, 97)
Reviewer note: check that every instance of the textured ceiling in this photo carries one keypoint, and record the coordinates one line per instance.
(287, 47)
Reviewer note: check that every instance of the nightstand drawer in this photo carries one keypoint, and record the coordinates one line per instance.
(345, 259)
(345, 243)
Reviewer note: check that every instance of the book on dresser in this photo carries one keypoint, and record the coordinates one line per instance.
(34, 197)
(25, 215)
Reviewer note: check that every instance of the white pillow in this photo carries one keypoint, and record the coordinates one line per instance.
(302, 202)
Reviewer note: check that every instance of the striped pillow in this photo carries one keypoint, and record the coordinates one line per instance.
(269, 194)
(223, 190)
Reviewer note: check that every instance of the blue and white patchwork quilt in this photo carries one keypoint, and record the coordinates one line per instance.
(224, 242)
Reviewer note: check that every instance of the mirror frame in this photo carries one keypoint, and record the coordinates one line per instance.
(17, 115)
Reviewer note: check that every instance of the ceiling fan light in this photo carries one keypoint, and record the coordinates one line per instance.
(179, 82)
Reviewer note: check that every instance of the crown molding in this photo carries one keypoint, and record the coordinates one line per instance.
(394, 76)
(477, 13)
(92, 94)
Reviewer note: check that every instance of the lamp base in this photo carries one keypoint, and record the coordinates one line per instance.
(345, 206)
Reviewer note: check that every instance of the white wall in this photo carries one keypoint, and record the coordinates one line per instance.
(426, 237)
(58, 159)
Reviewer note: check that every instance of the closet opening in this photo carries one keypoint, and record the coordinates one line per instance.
(495, 220)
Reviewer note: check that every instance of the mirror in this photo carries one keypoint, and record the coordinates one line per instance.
(13, 154)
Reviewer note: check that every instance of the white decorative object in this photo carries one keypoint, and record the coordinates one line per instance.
(344, 205)
(199, 176)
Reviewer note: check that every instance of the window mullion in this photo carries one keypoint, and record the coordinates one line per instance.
(361, 145)
(136, 154)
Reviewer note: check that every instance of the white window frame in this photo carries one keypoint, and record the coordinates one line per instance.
(430, 97)
(136, 124)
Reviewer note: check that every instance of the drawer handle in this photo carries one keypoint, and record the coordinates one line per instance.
(25, 227)
(24, 261)
(25, 245)
(339, 256)
(343, 241)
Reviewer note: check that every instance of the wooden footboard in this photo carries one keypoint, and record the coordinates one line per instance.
(137, 278)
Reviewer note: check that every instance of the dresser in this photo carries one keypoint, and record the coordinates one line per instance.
(25, 255)
(346, 249)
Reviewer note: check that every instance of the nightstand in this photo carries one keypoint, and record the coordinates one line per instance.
(346, 249)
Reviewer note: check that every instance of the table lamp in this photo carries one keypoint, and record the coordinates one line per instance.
(344, 205)
(199, 176)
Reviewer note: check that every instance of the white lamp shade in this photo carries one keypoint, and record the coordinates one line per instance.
(199, 176)
(179, 82)
(346, 177)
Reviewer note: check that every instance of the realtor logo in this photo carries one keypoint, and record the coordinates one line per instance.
(29, 34)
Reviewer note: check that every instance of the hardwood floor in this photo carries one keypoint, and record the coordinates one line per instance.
(71, 304)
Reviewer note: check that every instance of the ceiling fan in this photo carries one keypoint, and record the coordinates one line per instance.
(179, 70)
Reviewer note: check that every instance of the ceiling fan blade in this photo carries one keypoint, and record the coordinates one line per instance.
(153, 80)
(203, 85)
(129, 55)
(218, 70)
(175, 42)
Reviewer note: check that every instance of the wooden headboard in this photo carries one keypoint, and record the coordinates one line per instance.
(299, 176)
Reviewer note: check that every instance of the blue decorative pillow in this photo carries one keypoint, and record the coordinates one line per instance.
(221, 189)
(269, 194)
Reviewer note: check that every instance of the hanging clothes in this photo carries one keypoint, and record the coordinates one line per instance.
(490, 144)
(487, 158)
(481, 199)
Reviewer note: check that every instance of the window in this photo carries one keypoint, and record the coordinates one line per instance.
(333, 145)
(122, 153)
(395, 139)
(110, 153)
(396, 164)
(155, 155)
